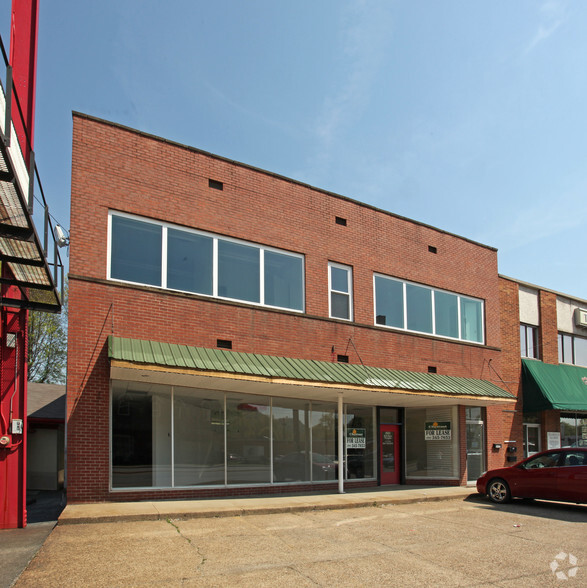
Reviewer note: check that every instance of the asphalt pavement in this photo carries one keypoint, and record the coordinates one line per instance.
(19, 546)
(407, 536)
(461, 541)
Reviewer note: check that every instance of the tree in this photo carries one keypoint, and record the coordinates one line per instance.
(47, 348)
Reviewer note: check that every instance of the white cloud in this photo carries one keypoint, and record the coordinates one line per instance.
(553, 14)
(365, 32)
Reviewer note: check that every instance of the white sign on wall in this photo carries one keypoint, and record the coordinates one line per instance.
(553, 440)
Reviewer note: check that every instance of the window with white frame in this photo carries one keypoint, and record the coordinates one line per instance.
(340, 285)
(529, 341)
(143, 251)
(413, 307)
(572, 349)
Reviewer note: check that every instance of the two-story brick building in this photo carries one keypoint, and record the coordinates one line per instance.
(547, 363)
(234, 331)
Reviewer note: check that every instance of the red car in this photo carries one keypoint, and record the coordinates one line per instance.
(556, 474)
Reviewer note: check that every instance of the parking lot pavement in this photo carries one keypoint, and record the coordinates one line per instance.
(19, 546)
(456, 543)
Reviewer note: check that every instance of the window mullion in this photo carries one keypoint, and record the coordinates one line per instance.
(215, 267)
(433, 304)
(460, 333)
(172, 437)
(405, 296)
(164, 256)
(262, 275)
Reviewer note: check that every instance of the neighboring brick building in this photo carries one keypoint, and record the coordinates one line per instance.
(546, 336)
(233, 331)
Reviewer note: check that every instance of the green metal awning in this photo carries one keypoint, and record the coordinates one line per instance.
(127, 354)
(547, 386)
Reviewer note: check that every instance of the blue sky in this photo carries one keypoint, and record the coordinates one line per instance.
(467, 115)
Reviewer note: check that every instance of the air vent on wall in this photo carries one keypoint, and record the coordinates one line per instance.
(223, 344)
(215, 184)
(340, 221)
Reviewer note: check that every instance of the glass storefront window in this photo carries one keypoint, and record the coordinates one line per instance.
(573, 430)
(324, 447)
(431, 437)
(178, 437)
(198, 444)
(291, 441)
(360, 446)
(248, 439)
(141, 435)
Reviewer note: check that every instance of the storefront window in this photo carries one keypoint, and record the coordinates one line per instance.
(141, 435)
(198, 445)
(573, 430)
(324, 422)
(177, 437)
(432, 448)
(291, 441)
(360, 446)
(248, 439)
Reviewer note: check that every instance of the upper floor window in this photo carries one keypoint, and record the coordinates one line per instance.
(529, 341)
(413, 307)
(159, 254)
(340, 286)
(572, 349)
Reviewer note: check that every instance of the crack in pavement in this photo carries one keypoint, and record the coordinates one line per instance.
(195, 547)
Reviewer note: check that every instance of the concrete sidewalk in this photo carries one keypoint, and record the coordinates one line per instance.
(229, 507)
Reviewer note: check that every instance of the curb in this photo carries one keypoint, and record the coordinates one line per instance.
(201, 511)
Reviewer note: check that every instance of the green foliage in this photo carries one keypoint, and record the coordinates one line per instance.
(47, 346)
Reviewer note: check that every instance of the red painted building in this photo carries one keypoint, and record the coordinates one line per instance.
(233, 331)
(30, 271)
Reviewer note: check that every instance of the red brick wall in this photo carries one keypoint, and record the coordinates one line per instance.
(119, 169)
(505, 423)
(548, 332)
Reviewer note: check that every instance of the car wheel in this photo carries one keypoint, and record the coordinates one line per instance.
(499, 491)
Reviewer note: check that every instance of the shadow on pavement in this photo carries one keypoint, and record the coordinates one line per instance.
(44, 505)
(561, 511)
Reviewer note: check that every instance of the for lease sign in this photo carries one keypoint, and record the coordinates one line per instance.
(356, 438)
(437, 431)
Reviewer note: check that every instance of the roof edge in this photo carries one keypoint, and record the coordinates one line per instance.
(275, 175)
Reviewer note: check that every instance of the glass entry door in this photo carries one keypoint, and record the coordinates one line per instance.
(389, 456)
(531, 439)
(475, 444)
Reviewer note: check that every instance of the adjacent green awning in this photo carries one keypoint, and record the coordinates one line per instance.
(547, 386)
(268, 367)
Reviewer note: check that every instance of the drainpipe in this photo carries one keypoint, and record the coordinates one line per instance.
(341, 463)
